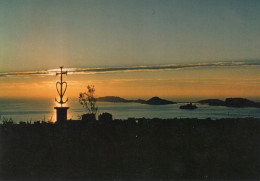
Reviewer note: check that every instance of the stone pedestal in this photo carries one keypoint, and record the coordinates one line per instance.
(61, 114)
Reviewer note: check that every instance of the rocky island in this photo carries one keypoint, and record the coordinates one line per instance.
(112, 99)
(231, 102)
(212, 102)
(152, 101)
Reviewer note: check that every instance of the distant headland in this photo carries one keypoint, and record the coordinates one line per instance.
(152, 101)
(231, 102)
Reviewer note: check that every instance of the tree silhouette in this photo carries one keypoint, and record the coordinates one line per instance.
(88, 100)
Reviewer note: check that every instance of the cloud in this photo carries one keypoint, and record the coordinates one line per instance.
(131, 69)
(158, 67)
(25, 74)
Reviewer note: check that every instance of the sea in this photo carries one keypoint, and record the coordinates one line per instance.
(43, 110)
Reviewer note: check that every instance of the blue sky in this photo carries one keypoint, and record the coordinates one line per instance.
(102, 33)
(45, 34)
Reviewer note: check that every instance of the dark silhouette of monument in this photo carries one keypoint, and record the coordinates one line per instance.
(61, 112)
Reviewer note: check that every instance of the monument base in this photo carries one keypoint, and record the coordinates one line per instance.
(61, 114)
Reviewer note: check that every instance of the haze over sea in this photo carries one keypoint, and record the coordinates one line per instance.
(39, 110)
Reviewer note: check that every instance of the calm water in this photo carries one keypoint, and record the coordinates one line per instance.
(43, 110)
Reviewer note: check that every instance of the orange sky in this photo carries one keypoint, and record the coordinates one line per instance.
(42, 35)
(175, 84)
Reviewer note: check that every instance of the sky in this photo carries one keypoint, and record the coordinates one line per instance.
(41, 35)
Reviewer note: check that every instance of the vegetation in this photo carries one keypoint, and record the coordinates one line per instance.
(88, 100)
(6, 121)
(144, 149)
(105, 117)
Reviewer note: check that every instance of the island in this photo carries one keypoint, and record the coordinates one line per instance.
(212, 102)
(112, 99)
(231, 102)
(152, 101)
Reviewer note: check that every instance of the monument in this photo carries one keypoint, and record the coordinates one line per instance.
(61, 112)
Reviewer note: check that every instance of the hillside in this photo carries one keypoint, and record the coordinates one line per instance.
(133, 149)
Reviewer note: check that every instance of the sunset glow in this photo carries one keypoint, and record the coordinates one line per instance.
(133, 49)
(176, 84)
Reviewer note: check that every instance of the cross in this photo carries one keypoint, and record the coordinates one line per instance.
(61, 92)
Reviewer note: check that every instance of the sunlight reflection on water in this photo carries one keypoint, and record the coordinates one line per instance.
(44, 110)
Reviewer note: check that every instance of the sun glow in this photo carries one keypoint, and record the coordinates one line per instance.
(217, 83)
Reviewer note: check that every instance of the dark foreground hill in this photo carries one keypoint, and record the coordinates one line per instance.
(133, 149)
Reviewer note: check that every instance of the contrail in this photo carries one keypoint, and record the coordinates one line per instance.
(131, 69)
